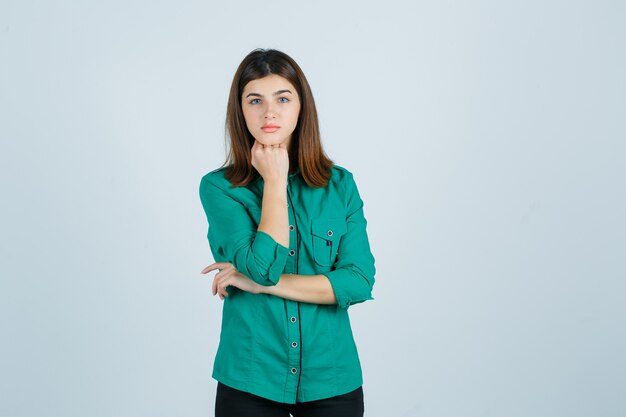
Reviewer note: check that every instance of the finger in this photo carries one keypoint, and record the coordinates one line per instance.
(220, 276)
(218, 279)
(208, 268)
(218, 265)
(218, 285)
(223, 283)
(215, 265)
(226, 272)
(222, 293)
(222, 287)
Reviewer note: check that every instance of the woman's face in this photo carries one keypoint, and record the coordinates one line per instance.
(271, 101)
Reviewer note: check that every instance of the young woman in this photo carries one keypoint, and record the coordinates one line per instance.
(288, 234)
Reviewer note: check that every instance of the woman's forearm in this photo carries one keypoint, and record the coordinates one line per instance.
(314, 289)
(274, 215)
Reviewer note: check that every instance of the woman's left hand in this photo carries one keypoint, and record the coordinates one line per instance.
(229, 275)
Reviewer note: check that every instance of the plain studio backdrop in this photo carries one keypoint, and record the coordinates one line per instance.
(488, 142)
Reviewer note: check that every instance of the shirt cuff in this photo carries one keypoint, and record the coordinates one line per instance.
(270, 255)
(344, 287)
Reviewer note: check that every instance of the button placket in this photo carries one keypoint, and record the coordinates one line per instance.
(294, 332)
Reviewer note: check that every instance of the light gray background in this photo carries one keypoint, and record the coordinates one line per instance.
(488, 142)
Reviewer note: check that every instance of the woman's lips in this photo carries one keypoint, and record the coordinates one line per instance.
(270, 129)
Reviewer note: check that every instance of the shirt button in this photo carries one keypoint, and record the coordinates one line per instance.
(294, 344)
(291, 227)
(329, 233)
(292, 252)
(294, 370)
(292, 319)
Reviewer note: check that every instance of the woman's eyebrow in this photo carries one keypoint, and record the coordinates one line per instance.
(276, 93)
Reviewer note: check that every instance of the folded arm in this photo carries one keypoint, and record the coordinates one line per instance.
(352, 278)
(233, 236)
(314, 289)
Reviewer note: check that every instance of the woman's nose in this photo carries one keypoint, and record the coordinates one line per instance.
(269, 112)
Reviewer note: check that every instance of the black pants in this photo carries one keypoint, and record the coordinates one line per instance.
(231, 402)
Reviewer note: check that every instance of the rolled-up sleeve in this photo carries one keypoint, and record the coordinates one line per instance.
(233, 236)
(352, 278)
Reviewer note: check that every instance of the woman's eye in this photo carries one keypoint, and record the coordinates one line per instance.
(287, 100)
(253, 100)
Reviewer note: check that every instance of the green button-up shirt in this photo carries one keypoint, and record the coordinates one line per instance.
(280, 349)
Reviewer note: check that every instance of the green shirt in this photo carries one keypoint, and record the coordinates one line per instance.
(280, 349)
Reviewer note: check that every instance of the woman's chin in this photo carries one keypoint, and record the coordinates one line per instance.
(270, 141)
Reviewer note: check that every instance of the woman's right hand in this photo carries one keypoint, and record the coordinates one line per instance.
(272, 161)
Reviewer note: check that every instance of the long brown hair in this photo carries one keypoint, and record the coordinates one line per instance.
(305, 148)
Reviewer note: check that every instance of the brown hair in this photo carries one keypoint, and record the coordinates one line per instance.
(305, 148)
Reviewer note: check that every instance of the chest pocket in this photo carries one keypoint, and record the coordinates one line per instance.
(326, 233)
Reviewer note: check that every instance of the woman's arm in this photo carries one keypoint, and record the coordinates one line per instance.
(274, 214)
(314, 289)
(272, 163)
